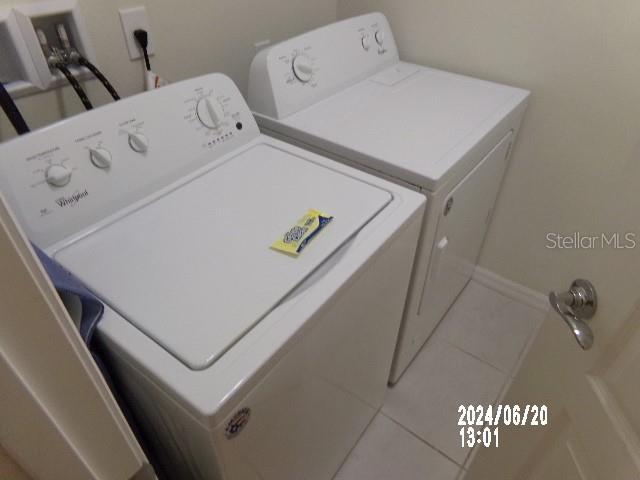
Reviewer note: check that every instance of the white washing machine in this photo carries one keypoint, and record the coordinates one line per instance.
(242, 362)
(342, 91)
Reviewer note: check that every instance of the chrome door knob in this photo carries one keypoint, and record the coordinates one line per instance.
(575, 306)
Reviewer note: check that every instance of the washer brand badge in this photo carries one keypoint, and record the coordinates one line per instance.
(237, 423)
(73, 199)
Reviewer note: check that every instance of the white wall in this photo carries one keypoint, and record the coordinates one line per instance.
(192, 37)
(576, 164)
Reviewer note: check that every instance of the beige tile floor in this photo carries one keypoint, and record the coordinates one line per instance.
(468, 360)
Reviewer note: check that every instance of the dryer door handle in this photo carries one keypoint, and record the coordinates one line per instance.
(434, 269)
(441, 249)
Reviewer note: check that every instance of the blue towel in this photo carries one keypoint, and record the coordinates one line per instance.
(66, 283)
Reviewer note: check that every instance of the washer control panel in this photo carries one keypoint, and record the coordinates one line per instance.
(64, 178)
(303, 70)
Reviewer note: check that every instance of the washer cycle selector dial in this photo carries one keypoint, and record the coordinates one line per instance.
(57, 175)
(100, 157)
(380, 37)
(138, 142)
(302, 68)
(210, 112)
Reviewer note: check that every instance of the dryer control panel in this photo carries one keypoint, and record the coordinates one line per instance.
(64, 178)
(301, 71)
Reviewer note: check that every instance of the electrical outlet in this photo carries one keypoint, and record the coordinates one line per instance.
(133, 19)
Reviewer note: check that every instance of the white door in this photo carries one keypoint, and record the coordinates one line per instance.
(593, 396)
(58, 418)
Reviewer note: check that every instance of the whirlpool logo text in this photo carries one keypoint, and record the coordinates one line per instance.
(72, 200)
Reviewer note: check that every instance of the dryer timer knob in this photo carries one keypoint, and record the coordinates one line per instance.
(302, 68)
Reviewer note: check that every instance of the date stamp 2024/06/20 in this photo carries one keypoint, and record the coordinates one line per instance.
(480, 424)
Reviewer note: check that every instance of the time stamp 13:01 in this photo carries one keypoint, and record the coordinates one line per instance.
(480, 424)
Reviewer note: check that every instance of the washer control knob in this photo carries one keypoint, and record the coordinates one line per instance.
(57, 175)
(366, 42)
(210, 113)
(100, 157)
(138, 142)
(302, 68)
(380, 37)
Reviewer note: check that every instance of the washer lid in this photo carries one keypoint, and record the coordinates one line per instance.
(194, 269)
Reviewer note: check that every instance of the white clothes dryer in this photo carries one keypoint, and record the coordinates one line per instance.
(342, 91)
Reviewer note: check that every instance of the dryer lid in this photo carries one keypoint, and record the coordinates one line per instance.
(194, 269)
(410, 122)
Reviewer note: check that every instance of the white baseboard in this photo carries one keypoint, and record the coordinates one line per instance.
(511, 289)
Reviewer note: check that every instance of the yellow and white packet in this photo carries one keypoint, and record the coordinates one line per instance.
(299, 236)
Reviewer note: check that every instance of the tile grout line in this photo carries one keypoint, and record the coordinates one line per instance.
(509, 380)
(344, 461)
(457, 347)
(524, 349)
(505, 383)
(421, 440)
(506, 374)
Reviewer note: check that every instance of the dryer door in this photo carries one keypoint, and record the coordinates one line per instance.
(464, 219)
